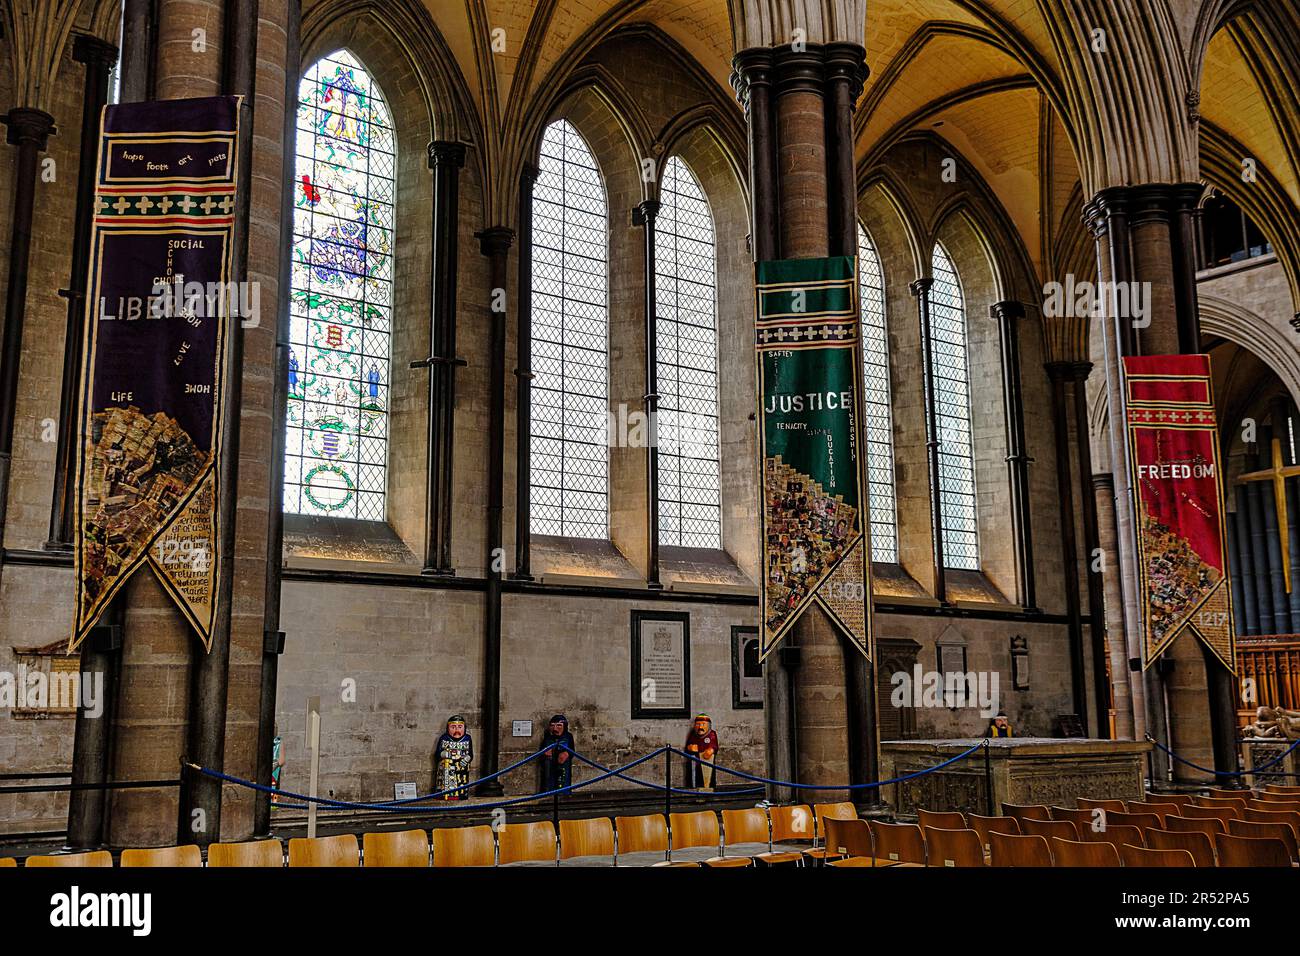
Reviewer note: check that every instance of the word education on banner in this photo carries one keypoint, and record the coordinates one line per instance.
(1178, 500)
(153, 382)
(815, 543)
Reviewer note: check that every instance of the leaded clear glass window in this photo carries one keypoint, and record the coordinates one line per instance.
(875, 400)
(690, 504)
(953, 414)
(341, 294)
(569, 470)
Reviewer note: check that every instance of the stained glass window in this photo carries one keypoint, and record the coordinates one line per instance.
(341, 296)
(690, 508)
(875, 400)
(952, 410)
(569, 469)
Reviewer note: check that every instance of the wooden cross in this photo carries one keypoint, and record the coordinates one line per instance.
(1278, 475)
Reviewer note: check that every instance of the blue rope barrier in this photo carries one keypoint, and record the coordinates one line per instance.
(845, 786)
(1226, 773)
(653, 786)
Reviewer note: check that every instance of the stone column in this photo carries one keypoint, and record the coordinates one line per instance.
(644, 216)
(524, 381)
(921, 290)
(446, 160)
(1060, 375)
(1007, 315)
(1125, 689)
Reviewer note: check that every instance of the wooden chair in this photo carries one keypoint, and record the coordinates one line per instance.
(6, 861)
(1281, 788)
(1268, 831)
(958, 847)
(788, 824)
(851, 840)
(1064, 829)
(1226, 792)
(742, 828)
(1224, 813)
(1077, 853)
(253, 853)
(1250, 851)
(1139, 856)
(1239, 802)
(526, 843)
(900, 843)
(463, 846)
(1161, 810)
(1271, 801)
(1110, 806)
(986, 825)
(594, 837)
(644, 834)
(1116, 835)
(822, 812)
(341, 850)
(1291, 817)
(1209, 826)
(698, 830)
(163, 856)
(1199, 845)
(945, 820)
(1182, 799)
(1080, 818)
(395, 848)
(1022, 813)
(1139, 820)
(1008, 850)
(93, 858)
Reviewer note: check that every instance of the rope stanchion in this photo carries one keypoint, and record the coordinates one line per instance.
(1228, 773)
(837, 786)
(667, 751)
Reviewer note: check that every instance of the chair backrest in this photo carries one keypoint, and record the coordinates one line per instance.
(517, 842)
(341, 850)
(1116, 834)
(463, 846)
(1225, 792)
(399, 848)
(844, 810)
(253, 853)
(1064, 829)
(1207, 825)
(744, 826)
(1140, 856)
(959, 847)
(1198, 843)
(93, 858)
(1182, 799)
(986, 825)
(635, 834)
(694, 829)
(1270, 831)
(945, 820)
(1139, 820)
(8, 861)
(1272, 801)
(1006, 849)
(898, 842)
(1080, 818)
(1029, 812)
(848, 837)
(792, 823)
(1161, 810)
(1239, 802)
(188, 856)
(1291, 817)
(1281, 788)
(1090, 803)
(1250, 851)
(1224, 813)
(1078, 853)
(594, 836)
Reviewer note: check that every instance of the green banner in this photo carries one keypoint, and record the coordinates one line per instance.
(815, 546)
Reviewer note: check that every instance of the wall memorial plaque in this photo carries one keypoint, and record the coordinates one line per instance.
(661, 664)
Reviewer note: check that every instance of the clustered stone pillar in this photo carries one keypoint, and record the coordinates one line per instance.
(1146, 240)
(820, 698)
(446, 160)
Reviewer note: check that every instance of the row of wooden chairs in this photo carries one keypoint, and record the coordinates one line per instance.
(751, 835)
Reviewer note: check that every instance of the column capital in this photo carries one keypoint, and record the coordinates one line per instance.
(28, 125)
(446, 153)
(750, 69)
(644, 213)
(802, 71)
(847, 62)
(1101, 208)
(528, 174)
(1008, 310)
(495, 240)
(94, 52)
(921, 286)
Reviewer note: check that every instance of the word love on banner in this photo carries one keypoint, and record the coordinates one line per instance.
(1178, 501)
(814, 538)
(153, 384)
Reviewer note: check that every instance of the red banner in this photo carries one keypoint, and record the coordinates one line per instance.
(1178, 503)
